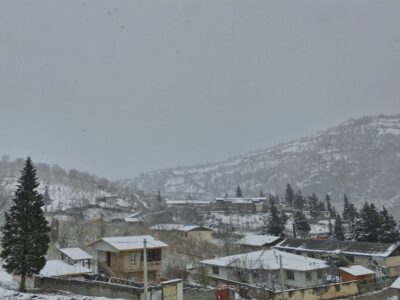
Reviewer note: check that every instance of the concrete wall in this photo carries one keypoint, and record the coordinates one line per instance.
(200, 235)
(88, 288)
(300, 279)
(203, 294)
(321, 293)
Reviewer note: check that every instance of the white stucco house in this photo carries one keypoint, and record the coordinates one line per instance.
(262, 268)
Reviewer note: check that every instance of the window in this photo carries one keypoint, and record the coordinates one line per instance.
(133, 259)
(308, 276)
(289, 275)
(152, 255)
(350, 258)
(215, 270)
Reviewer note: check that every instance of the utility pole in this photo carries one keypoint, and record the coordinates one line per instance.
(282, 278)
(145, 283)
(101, 225)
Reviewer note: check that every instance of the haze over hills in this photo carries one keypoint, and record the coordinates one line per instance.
(360, 157)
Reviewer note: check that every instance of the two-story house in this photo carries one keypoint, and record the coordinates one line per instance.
(123, 256)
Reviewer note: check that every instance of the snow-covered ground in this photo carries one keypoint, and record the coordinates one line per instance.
(8, 291)
(7, 294)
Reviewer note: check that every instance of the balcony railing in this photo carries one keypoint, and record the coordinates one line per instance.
(151, 265)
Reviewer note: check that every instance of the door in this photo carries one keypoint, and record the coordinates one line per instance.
(108, 259)
(169, 292)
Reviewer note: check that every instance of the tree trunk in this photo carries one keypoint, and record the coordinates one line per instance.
(22, 284)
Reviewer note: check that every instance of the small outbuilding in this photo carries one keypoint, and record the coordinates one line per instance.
(76, 256)
(356, 272)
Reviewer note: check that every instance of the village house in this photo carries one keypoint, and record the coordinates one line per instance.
(380, 257)
(194, 232)
(262, 268)
(202, 204)
(122, 256)
(253, 242)
(356, 272)
(245, 205)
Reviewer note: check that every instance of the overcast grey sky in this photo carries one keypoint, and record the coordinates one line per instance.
(121, 87)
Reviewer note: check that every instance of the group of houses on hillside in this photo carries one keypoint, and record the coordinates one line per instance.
(265, 262)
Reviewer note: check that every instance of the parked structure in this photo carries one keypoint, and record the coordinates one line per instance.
(262, 268)
(194, 232)
(123, 256)
(385, 257)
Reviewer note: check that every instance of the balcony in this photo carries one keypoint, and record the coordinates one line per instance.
(151, 266)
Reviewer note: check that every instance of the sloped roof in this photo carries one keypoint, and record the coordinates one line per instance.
(268, 259)
(257, 240)
(178, 227)
(241, 200)
(75, 253)
(357, 270)
(123, 243)
(396, 284)
(332, 247)
(180, 202)
(61, 268)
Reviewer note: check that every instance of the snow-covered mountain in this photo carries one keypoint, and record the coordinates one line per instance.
(360, 157)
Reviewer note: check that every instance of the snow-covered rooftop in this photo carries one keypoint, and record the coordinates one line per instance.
(357, 270)
(186, 202)
(178, 227)
(241, 200)
(396, 284)
(75, 253)
(134, 219)
(61, 268)
(257, 240)
(334, 247)
(268, 259)
(122, 243)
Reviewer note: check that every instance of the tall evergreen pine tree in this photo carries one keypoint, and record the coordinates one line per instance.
(239, 192)
(338, 231)
(299, 201)
(25, 238)
(289, 195)
(276, 222)
(366, 227)
(159, 198)
(389, 232)
(301, 226)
